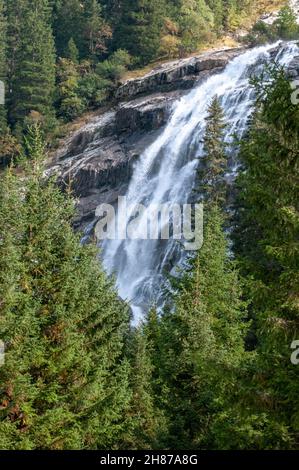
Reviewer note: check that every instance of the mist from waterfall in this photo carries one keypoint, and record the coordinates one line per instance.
(165, 172)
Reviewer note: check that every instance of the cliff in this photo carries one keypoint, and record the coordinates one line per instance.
(98, 158)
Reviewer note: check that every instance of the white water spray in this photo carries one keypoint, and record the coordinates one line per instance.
(165, 172)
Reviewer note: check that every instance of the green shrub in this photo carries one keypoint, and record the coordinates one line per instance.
(93, 89)
(286, 24)
(285, 27)
(114, 67)
(72, 107)
(261, 33)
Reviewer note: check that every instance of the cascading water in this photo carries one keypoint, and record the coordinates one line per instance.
(165, 172)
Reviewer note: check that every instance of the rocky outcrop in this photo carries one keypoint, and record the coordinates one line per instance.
(179, 74)
(97, 160)
(269, 18)
(144, 114)
(293, 69)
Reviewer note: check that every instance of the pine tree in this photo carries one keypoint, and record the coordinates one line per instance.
(3, 68)
(213, 163)
(195, 21)
(146, 420)
(202, 353)
(9, 147)
(266, 240)
(72, 52)
(14, 12)
(69, 23)
(217, 8)
(96, 31)
(286, 23)
(140, 27)
(33, 79)
(70, 104)
(64, 384)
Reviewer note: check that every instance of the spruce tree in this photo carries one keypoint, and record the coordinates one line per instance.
(69, 23)
(217, 8)
(147, 423)
(139, 29)
(3, 68)
(84, 24)
(64, 384)
(266, 240)
(213, 163)
(195, 21)
(33, 80)
(96, 31)
(9, 147)
(70, 104)
(14, 12)
(202, 351)
(199, 348)
(72, 52)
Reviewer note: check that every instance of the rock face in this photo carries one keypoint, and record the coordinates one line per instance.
(269, 18)
(293, 69)
(98, 158)
(294, 4)
(180, 74)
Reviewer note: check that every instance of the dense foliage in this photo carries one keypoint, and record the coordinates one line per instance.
(213, 369)
(284, 27)
(266, 242)
(59, 58)
(65, 379)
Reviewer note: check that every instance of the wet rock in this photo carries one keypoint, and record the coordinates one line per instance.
(98, 159)
(293, 69)
(145, 114)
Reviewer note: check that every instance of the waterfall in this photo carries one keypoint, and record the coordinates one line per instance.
(166, 170)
